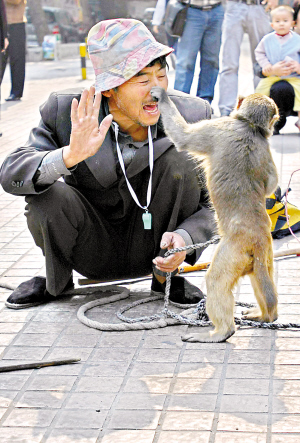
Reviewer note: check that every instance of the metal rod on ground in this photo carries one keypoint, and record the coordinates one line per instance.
(185, 269)
(181, 270)
(82, 52)
(286, 252)
(37, 365)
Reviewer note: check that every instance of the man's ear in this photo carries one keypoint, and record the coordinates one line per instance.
(107, 93)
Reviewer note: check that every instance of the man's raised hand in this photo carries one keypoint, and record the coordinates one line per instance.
(86, 135)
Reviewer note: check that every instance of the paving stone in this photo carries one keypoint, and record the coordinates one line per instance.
(187, 421)
(286, 404)
(151, 385)
(52, 383)
(30, 417)
(192, 402)
(72, 436)
(86, 341)
(26, 353)
(6, 398)
(129, 339)
(141, 369)
(237, 437)
(9, 381)
(134, 419)
(287, 357)
(115, 354)
(286, 423)
(128, 436)
(207, 355)
(22, 434)
(41, 399)
(242, 422)
(6, 339)
(285, 438)
(10, 327)
(244, 403)
(81, 419)
(184, 437)
(163, 342)
(251, 356)
(200, 370)
(25, 340)
(90, 400)
(158, 355)
(196, 386)
(246, 387)
(99, 384)
(288, 371)
(61, 353)
(135, 400)
(286, 387)
(106, 369)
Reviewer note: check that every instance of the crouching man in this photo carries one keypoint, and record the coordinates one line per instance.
(127, 194)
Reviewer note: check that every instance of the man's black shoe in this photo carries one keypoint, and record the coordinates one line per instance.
(12, 98)
(181, 291)
(32, 293)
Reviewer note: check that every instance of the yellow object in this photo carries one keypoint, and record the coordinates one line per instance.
(265, 84)
(276, 211)
(82, 52)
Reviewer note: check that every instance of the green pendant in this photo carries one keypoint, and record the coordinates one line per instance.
(147, 220)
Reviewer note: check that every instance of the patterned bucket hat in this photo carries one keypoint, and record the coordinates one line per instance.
(119, 49)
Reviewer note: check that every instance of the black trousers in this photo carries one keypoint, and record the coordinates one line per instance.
(16, 52)
(283, 95)
(75, 234)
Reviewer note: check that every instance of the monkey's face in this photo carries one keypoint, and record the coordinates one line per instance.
(132, 104)
(260, 110)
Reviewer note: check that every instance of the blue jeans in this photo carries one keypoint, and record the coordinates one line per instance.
(239, 18)
(202, 33)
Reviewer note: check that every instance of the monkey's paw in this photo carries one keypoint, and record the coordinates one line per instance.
(254, 314)
(158, 93)
(208, 337)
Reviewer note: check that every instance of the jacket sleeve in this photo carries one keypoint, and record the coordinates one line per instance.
(19, 168)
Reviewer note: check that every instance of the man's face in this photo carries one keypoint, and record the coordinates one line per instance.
(131, 104)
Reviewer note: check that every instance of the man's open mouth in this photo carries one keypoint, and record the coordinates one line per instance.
(151, 108)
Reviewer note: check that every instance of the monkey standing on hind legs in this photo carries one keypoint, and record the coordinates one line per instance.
(240, 175)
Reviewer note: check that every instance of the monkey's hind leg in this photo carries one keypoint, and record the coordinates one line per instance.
(226, 268)
(264, 291)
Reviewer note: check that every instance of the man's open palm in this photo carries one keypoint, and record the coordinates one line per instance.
(86, 135)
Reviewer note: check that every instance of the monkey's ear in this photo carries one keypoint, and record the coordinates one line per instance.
(273, 120)
(239, 101)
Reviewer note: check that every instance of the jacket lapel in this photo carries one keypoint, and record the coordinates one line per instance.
(103, 163)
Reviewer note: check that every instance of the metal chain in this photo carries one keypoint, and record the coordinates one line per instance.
(195, 316)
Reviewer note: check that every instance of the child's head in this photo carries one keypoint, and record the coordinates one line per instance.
(282, 19)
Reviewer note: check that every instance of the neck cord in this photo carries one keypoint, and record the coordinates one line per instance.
(151, 163)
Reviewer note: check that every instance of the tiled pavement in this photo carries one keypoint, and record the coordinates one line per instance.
(144, 386)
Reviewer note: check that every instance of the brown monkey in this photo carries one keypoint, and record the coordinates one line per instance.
(240, 175)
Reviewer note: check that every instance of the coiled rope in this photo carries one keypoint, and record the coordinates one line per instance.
(193, 316)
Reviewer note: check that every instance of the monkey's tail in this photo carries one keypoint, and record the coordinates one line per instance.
(264, 286)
